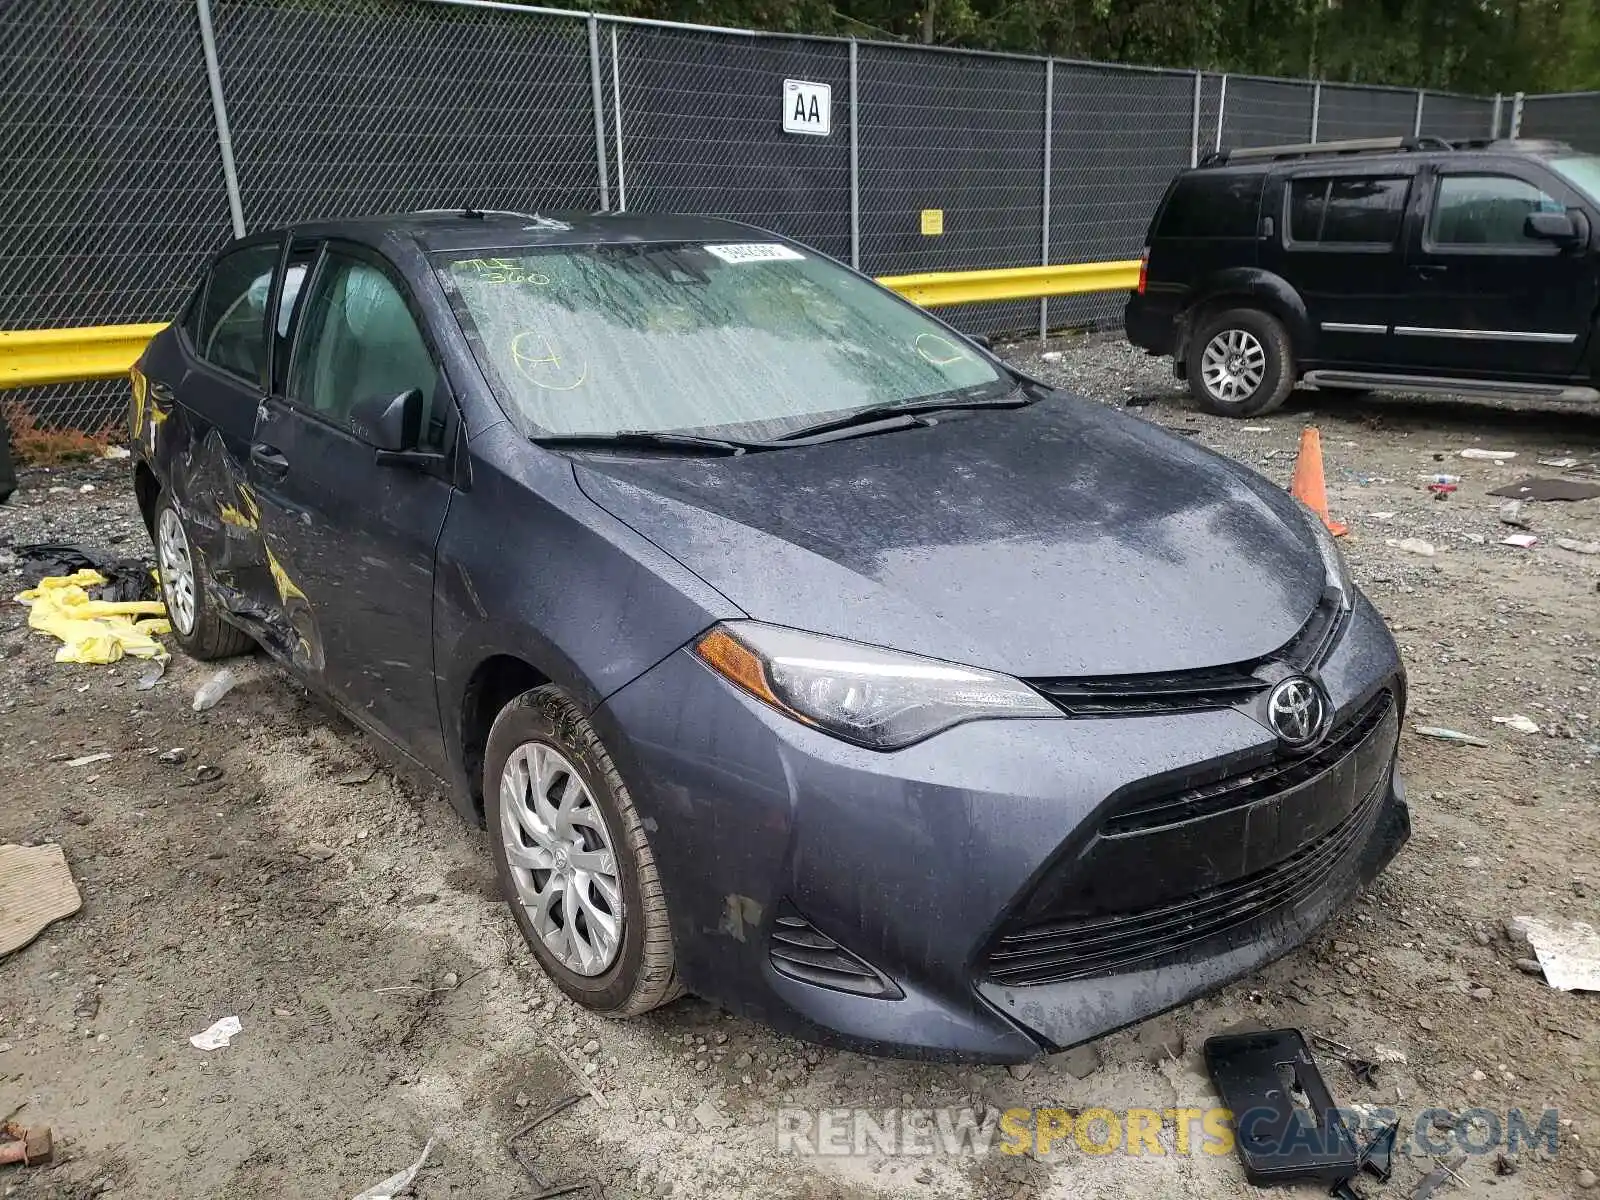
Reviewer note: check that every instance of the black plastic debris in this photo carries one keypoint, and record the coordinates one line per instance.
(127, 579)
(1549, 489)
(1287, 1128)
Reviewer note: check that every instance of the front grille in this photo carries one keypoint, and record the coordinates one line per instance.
(801, 951)
(1234, 791)
(1131, 695)
(1050, 952)
(1189, 691)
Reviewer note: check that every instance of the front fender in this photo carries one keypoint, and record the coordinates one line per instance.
(531, 568)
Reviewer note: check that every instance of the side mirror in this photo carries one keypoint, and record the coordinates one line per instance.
(390, 423)
(1556, 227)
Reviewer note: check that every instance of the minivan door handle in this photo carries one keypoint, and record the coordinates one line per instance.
(1429, 270)
(270, 460)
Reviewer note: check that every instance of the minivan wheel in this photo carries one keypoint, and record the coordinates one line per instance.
(573, 860)
(1240, 363)
(197, 626)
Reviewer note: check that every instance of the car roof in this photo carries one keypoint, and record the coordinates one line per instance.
(1258, 161)
(474, 229)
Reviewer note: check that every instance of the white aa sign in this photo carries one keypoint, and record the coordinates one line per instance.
(807, 107)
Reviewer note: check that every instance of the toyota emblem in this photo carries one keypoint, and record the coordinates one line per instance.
(1297, 712)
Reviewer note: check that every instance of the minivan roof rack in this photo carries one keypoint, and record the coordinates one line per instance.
(1383, 145)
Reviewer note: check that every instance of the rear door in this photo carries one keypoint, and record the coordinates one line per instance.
(198, 428)
(352, 541)
(1339, 244)
(1484, 299)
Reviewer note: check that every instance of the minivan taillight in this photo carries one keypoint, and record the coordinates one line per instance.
(1144, 269)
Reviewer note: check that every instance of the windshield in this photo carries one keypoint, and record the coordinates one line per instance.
(1582, 171)
(754, 339)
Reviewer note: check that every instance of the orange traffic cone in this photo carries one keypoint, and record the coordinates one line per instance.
(1307, 485)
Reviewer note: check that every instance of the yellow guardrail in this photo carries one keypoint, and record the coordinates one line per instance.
(31, 357)
(1015, 283)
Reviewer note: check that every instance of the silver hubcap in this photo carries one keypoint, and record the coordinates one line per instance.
(1233, 365)
(563, 863)
(177, 571)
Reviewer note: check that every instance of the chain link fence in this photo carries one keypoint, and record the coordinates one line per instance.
(125, 160)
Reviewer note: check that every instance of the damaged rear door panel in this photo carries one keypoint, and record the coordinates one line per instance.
(349, 540)
(216, 361)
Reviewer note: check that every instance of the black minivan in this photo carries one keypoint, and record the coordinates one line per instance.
(1406, 264)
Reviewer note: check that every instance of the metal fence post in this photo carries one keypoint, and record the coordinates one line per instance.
(1516, 115)
(1044, 225)
(616, 110)
(219, 112)
(1194, 123)
(1494, 131)
(1416, 126)
(595, 95)
(855, 168)
(1222, 107)
(1316, 111)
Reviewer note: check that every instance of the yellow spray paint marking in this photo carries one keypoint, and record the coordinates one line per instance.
(286, 587)
(537, 362)
(932, 222)
(141, 389)
(940, 351)
(501, 270)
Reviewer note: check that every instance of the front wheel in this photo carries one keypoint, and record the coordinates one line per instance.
(573, 860)
(1240, 363)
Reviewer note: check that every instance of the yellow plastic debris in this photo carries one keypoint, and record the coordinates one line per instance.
(94, 631)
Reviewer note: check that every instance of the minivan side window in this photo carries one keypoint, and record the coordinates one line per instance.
(358, 341)
(1346, 211)
(233, 327)
(1486, 210)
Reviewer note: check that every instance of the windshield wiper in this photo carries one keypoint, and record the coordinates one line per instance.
(648, 439)
(943, 402)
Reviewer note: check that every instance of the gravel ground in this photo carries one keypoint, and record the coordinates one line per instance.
(349, 920)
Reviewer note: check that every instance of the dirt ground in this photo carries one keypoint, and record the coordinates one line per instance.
(349, 919)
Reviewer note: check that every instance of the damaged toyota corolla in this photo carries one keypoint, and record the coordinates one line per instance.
(796, 651)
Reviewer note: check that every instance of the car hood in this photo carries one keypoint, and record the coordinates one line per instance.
(1061, 539)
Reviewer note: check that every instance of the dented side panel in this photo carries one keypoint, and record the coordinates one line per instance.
(198, 450)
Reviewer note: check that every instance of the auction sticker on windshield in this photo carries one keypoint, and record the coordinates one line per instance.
(746, 252)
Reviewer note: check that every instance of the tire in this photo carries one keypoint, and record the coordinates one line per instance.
(197, 625)
(1252, 363)
(539, 743)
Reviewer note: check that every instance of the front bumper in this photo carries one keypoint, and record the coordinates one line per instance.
(921, 861)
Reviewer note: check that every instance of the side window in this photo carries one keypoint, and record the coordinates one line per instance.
(358, 341)
(1206, 204)
(233, 327)
(1347, 211)
(1486, 210)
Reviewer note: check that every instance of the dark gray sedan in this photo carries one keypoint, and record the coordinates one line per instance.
(796, 651)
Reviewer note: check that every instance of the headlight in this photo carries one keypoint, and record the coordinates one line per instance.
(880, 699)
(1336, 572)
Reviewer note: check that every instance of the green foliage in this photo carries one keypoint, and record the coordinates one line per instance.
(1460, 45)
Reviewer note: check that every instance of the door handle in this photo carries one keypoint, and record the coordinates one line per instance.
(1428, 270)
(270, 460)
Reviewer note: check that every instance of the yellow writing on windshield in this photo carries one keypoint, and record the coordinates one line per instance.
(538, 362)
(500, 270)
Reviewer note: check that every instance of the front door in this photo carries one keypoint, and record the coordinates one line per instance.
(352, 541)
(1484, 299)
